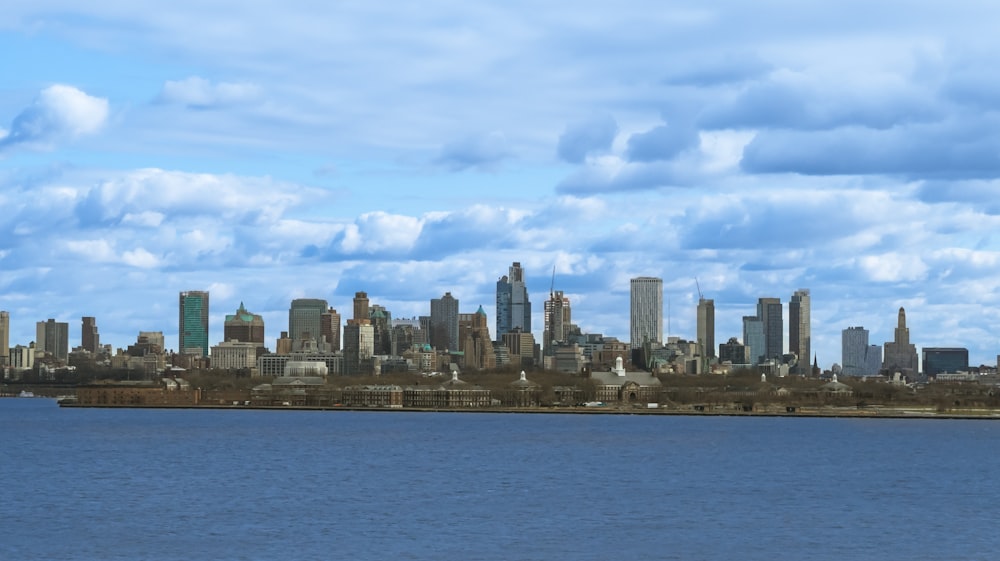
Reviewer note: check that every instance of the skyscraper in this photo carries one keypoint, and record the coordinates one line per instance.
(358, 347)
(513, 307)
(558, 319)
(646, 311)
(800, 330)
(444, 322)
(361, 306)
(52, 338)
(769, 312)
(305, 320)
(753, 338)
(4, 337)
(900, 355)
(706, 327)
(243, 327)
(193, 322)
(853, 350)
(90, 339)
(330, 328)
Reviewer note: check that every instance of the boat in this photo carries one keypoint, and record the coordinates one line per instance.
(25, 393)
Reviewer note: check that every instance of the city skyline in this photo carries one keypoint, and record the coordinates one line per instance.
(281, 153)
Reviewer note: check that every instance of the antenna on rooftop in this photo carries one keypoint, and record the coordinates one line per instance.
(700, 295)
(552, 287)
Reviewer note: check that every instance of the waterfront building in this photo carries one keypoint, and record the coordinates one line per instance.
(90, 339)
(900, 355)
(521, 393)
(706, 327)
(753, 338)
(444, 323)
(52, 338)
(619, 385)
(192, 326)
(305, 321)
(800, 331)
(380, 395)
(857, 356)
(513, 306)
(646, 311)
(244, 327)
(939, 360)
(558, 321)
(769, 311)
(4, 338)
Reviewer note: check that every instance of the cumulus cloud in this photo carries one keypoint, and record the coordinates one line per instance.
(482, 152)
(580, 139)
(716, 70)
(60, 112)
(661, 143)
(199, 93)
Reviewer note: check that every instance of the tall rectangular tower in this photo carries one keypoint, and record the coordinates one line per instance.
(853, 350)
(193, 322)
(769, 312)
(4, 337)
(558, 319)
(646, 311)
(90, 339)
(800, 330)
(706, 327)
(330, 327)
(52, 337)
(361, 303)
(753, 338)
(444, 322)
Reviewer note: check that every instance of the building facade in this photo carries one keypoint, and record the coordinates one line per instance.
(769, 311)
(305, 319)
(706, 327)
(753, 338)
(244, 327)
(192, 322)
(646, 311)
(90, 339)
(800, 330)
(940, 360)
(558, 320)
(444, 322)
(858, 357)
(900, 355)
(4, 338)
(513, 306)
(330, 328)
(52, 338)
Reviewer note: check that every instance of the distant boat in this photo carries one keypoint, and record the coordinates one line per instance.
(25, 393)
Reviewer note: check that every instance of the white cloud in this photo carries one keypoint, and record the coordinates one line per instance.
(893, 267)
(198, 92)
(59, 112)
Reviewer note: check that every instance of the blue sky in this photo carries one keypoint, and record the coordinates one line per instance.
(278, 150)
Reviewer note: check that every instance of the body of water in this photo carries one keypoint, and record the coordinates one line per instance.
(209, 484)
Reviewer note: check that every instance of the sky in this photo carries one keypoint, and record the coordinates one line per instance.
(267, 151)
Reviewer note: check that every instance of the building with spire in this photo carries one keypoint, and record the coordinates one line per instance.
(243, 327)
(900, 355)
(513, 306)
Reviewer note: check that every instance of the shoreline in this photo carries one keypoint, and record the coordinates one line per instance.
(842, 413)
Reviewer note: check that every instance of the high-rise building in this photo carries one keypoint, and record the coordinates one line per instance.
(853, 351)
(753, 338)
(4, 338)
(646, 311)
(444, 322)
(330, 328)
(706, 327)
(800, 330)
(900, 355)
(243, 327)
(90, 339)
(513, 306)
(52, 338)
(358, 347)
(193, 322)
(474, 336)
(558, 321)
(381, 320)
(361, 306)
(305, 318)
(769, 312)
(734, 352)
(938, 360)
